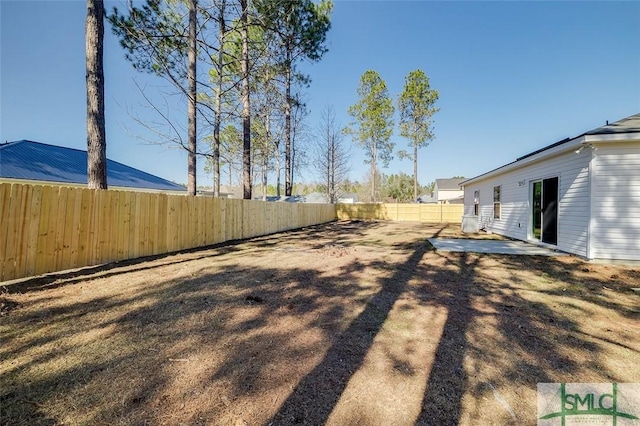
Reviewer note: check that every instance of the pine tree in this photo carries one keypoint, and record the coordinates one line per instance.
(96, 137)
(373, 123)
(416, 105)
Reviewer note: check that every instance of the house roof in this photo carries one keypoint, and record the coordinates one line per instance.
(42, 162)
(428, 198)
(449, 184)
(348, 196)
(316, 197)
(628, 125)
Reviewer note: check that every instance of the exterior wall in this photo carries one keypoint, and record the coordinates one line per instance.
(571, 168)
(616, 202)
(449, 194)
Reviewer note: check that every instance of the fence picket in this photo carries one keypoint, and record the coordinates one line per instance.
(33, 228)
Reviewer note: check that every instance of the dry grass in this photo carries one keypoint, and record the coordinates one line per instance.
(355, 323)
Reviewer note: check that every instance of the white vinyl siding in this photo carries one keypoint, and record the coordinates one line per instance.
(616, 202)
(571, 168)
(449, 194)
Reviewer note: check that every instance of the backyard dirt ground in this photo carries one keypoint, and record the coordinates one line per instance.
(348, 323)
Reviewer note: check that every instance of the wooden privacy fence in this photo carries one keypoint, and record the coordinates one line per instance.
(53, 228)
(435, 213)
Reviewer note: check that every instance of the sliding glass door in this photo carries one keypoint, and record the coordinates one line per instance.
(544, 210)
(537, 210)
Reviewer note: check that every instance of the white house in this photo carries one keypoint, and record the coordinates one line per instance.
(580, 195)
(448, 190)
(445, 191)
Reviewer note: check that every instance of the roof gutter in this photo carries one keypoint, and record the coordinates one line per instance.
(612, 137)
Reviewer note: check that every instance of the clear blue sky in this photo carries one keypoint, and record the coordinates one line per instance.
(512, 77)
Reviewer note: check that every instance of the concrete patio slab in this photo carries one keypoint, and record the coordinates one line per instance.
(492, 246)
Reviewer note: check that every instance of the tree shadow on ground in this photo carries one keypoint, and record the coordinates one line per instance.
(154, 321)
(220, 343)
(317, 394)
(338, 231)
(448, 379)
(579, 281)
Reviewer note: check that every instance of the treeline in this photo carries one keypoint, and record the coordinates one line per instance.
(397, 188)
(236, 63)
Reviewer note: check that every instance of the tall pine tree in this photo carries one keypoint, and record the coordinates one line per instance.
(373, 123)
(416, 105)
(300, 28)
(96, 137)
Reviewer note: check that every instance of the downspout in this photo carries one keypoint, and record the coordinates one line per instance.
(592, 184)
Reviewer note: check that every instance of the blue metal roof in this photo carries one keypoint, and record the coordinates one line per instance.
(41, 162)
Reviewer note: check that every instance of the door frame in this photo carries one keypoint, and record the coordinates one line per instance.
(530, 231)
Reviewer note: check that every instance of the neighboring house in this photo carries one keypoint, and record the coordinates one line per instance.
(226, 191)
(445, 191)
(283, 198)
(449, 190)
(317, 198)
(580, 195)
(430, 198)
(38, 163)
(348, 198)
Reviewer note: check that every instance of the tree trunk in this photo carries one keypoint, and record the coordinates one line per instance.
(216, 146)
(332, 173)
(288, 174)
(218, 104)
(246, 103)
(265, 161)
(279, 169)
(326, 168)
(265, 171)
(191, 108)
(415, 172)
(373, 173)
(96, 138)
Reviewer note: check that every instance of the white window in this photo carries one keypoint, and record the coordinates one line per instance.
(476, 203)
(496, 202)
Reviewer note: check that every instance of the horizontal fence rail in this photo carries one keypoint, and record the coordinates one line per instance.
(433, 213)
(54, 228)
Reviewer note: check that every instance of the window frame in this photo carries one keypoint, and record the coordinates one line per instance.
(476, 203)
(497, 201)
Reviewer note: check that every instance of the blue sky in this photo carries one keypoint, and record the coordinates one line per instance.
(512, 77)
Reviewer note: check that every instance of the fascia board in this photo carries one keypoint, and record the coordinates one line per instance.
(612, 137)
(570, 145)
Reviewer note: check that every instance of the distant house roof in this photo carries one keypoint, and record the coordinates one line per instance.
(348, 197)
(428, 198)
(316, 197)
(449, 184)
(41, 162)
(629, 126)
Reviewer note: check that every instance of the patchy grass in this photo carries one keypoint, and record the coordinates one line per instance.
(358, 323)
